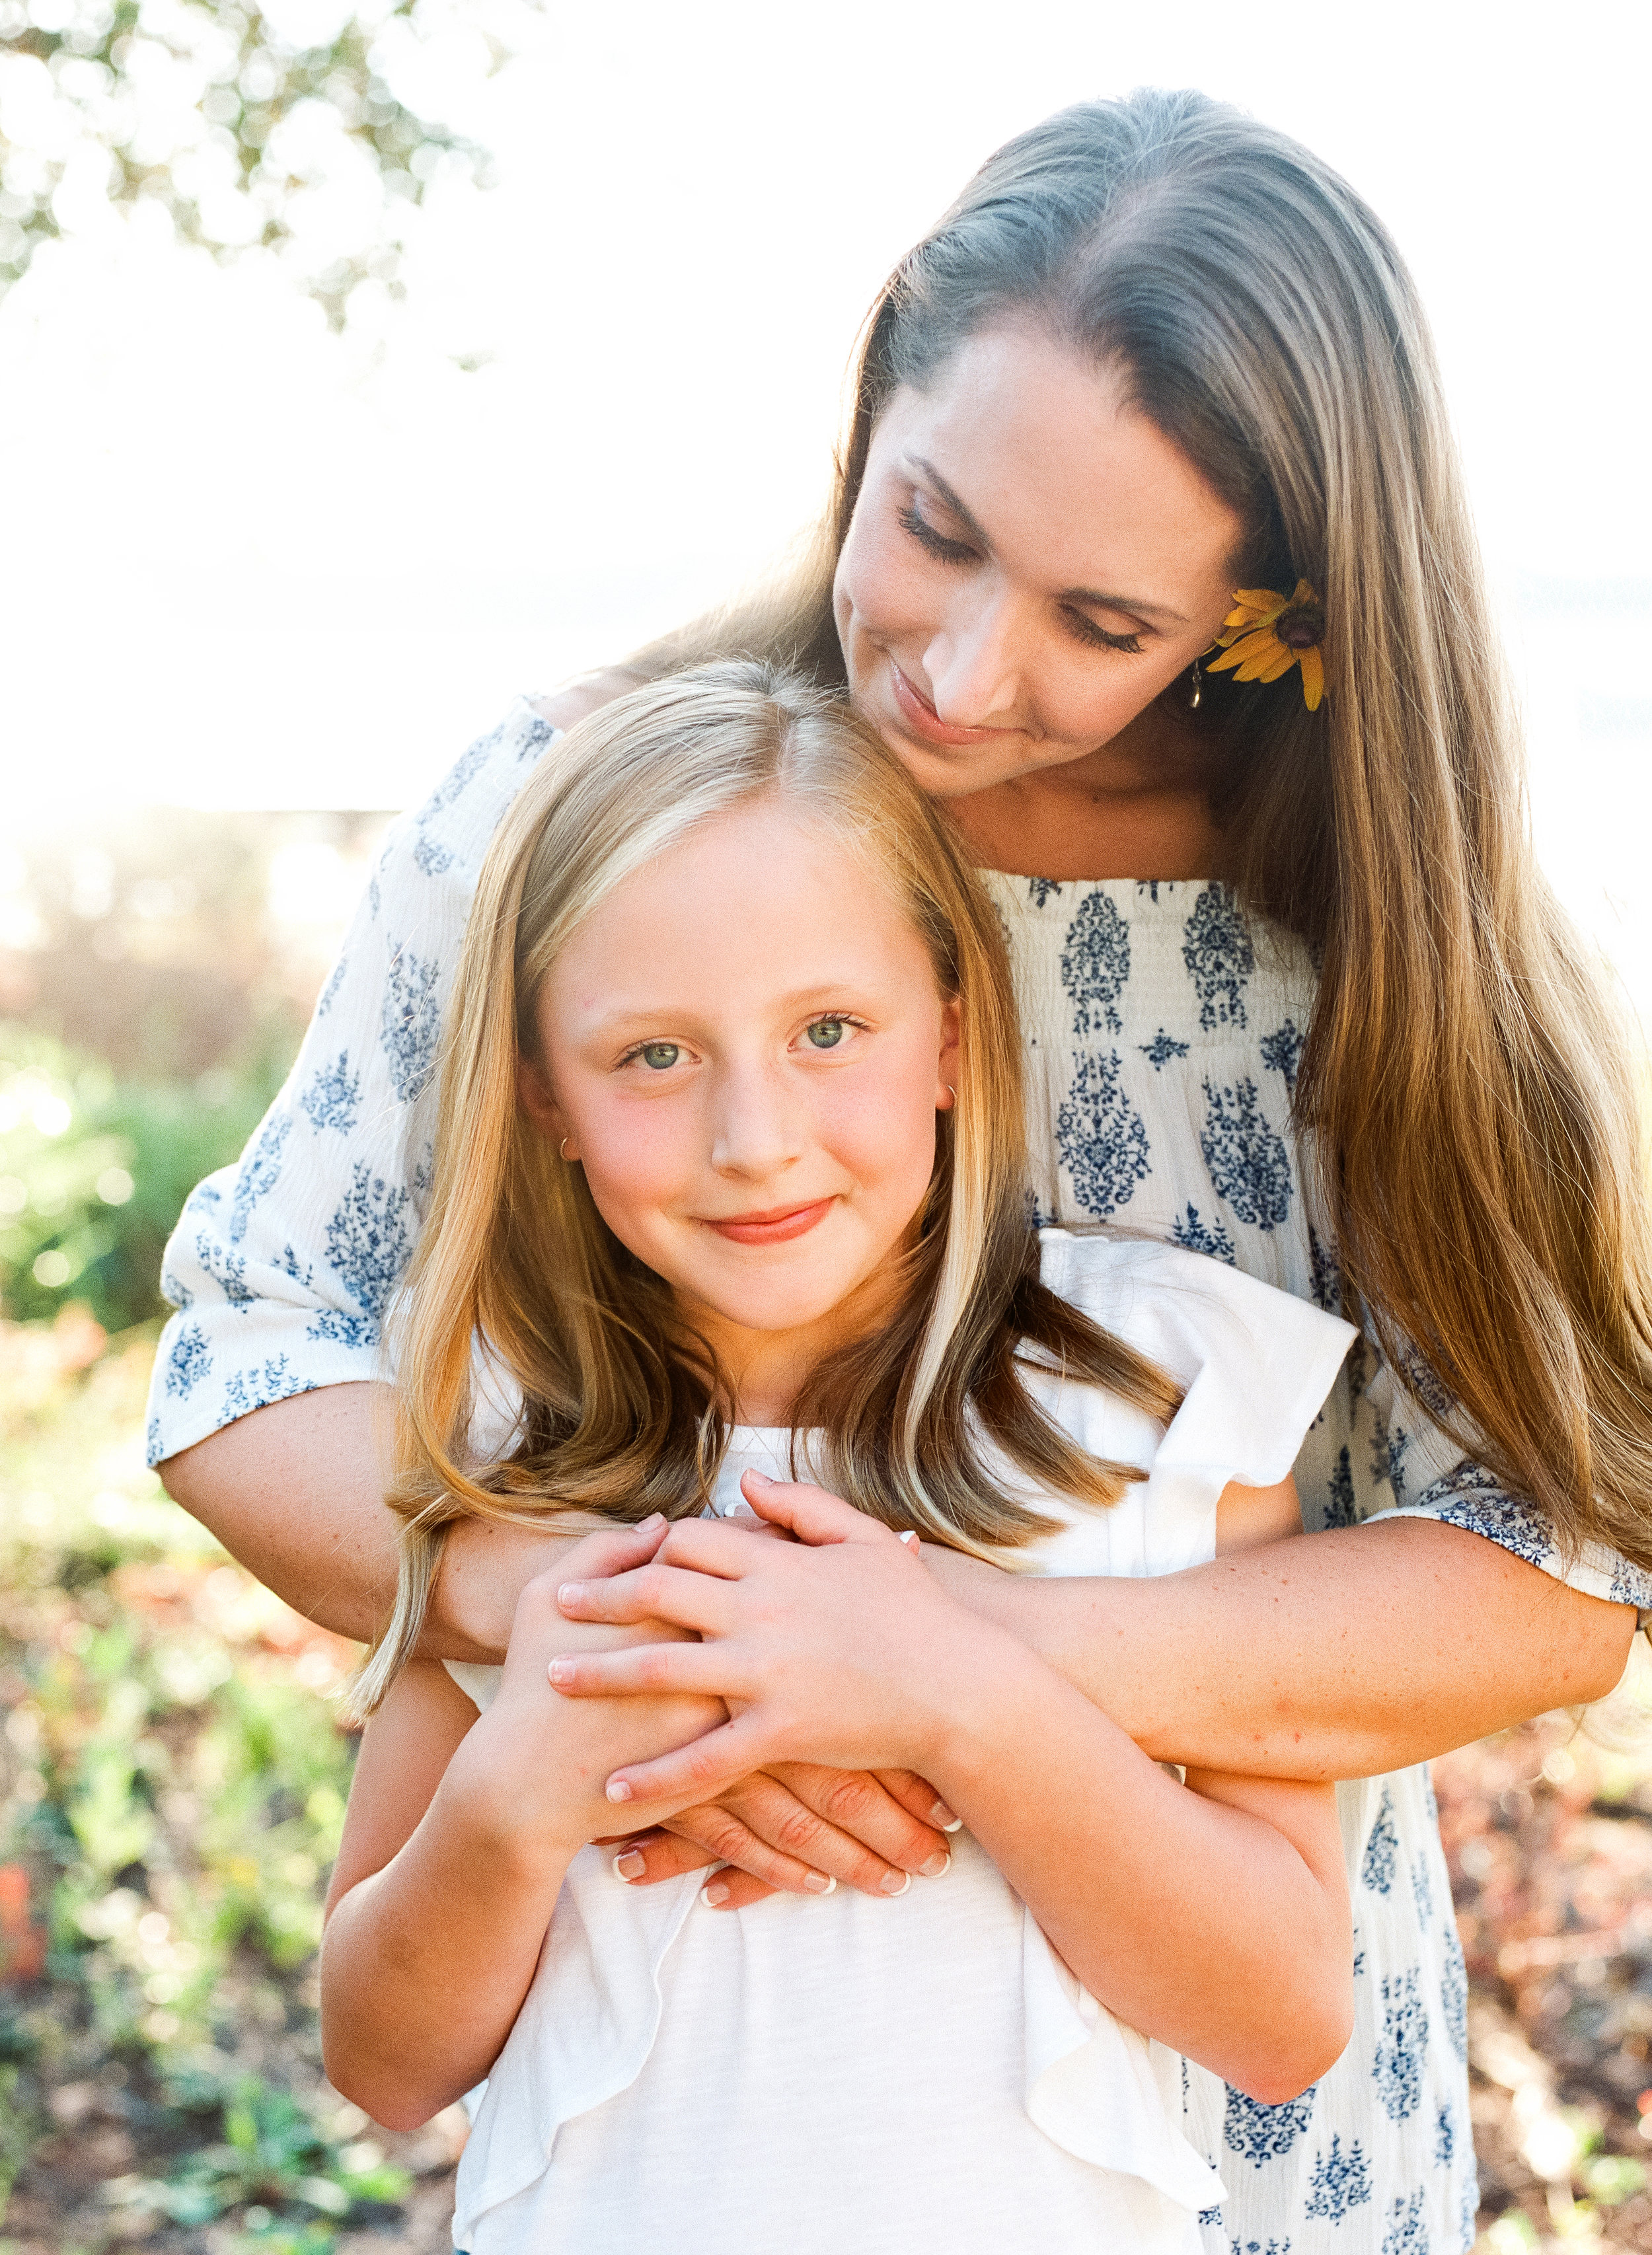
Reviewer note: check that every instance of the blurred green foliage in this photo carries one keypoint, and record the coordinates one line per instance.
(173, 1781)
(231, 182)
(95, 1167)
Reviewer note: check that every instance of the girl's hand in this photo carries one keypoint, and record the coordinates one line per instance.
(839, 1649)
(540, 1760)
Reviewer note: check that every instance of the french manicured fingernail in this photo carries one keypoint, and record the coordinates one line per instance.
(570, 1593)
(713, 1894)
(939, 1862)
(740, 1510)
(909, 1536)
(818, 1884)
(895, 1883)
(617, 1789)
(561, 1671)
(630, 1864)
(942, 1814)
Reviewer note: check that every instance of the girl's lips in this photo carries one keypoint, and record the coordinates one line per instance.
(923, 719)
(772, 1228)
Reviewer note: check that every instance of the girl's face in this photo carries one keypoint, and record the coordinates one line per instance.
(1029, 563)
(745, 1048)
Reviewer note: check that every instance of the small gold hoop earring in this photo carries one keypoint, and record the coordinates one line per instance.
(562, 1152)
(1197, 688)
(951, 1091)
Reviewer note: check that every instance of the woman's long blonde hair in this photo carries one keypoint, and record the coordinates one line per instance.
(517, 1279)
(1473, 1106)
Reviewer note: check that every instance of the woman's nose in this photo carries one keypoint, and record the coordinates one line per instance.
(975, 663)
(758, 1127)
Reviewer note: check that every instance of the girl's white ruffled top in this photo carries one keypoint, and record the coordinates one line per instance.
(822, 2074)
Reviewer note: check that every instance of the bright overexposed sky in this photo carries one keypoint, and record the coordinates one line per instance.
(247, 563)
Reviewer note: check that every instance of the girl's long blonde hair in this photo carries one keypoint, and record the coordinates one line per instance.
(517, 1281)
(1473, 1106)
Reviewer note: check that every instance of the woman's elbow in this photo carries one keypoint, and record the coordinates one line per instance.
(1286, 2059)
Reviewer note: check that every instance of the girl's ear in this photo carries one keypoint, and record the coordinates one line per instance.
(949, 1063)
(534, 1095)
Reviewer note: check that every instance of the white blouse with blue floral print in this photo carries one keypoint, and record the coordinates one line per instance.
(1163, 1033)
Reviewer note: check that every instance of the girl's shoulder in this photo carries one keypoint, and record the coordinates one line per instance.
(1253, 1362)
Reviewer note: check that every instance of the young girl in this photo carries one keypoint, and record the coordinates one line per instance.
(723, 1192)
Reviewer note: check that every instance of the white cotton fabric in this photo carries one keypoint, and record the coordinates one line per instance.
(923, 2072)
(1164, 1032)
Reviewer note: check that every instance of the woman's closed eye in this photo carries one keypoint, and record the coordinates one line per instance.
(937, 545)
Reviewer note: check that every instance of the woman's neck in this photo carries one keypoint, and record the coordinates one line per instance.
(1138, 807)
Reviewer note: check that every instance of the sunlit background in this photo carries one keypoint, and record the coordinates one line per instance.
(253, 564)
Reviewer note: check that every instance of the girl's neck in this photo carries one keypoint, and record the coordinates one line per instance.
(766, 1370)
(1138, 807)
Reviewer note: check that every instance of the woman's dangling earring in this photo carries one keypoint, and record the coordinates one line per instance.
(1197, 688)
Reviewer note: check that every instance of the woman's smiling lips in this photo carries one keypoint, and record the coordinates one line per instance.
(775, 1228)
(921, 717)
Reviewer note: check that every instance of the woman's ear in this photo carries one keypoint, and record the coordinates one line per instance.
(951, 1060)
(534, 1095)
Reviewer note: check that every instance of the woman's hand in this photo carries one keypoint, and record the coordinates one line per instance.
(795, 1829)
(843, 1651)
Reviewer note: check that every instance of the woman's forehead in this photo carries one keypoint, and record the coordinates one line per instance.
(1060, 472)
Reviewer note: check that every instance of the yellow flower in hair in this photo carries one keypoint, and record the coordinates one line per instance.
(1265, 635)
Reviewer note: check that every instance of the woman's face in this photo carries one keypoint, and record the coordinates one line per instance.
(744, 1047)
(1029, 563)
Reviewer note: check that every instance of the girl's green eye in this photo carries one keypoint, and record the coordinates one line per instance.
(826, 1033)
(659, 1057)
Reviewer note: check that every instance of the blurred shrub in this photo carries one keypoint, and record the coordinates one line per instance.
(93, 1169)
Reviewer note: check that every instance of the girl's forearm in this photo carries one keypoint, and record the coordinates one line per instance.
(1196, 1922)
(425, 1965)
(1342, 1654)
(296, 1492)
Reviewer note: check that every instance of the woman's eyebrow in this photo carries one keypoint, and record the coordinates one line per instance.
(1066, 594)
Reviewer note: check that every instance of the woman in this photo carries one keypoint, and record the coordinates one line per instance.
(1154, 354)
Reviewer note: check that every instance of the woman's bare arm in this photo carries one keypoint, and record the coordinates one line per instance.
(1341, 1655)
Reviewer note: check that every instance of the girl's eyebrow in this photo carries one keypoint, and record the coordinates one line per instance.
(1092, 596)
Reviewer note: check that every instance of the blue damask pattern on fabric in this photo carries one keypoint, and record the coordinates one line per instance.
(1454, 1990)
(1220, 956)
(257, 1389)
(1258, 2133)
(369, 1239)
(1407, 2233)
(260, 1171)
(1248, 1164)
(1199, 1236)
(1100, 1136)
(1281, 1052)
(1341, 2182)
(332, 1096)
(1381, 1850)
(1095, 965)
(189, 1362)
(410, 1024)
(1159, 1051)
(1398, 2070)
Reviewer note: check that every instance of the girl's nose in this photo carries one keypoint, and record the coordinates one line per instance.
(975, 663)
(758, 1127)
